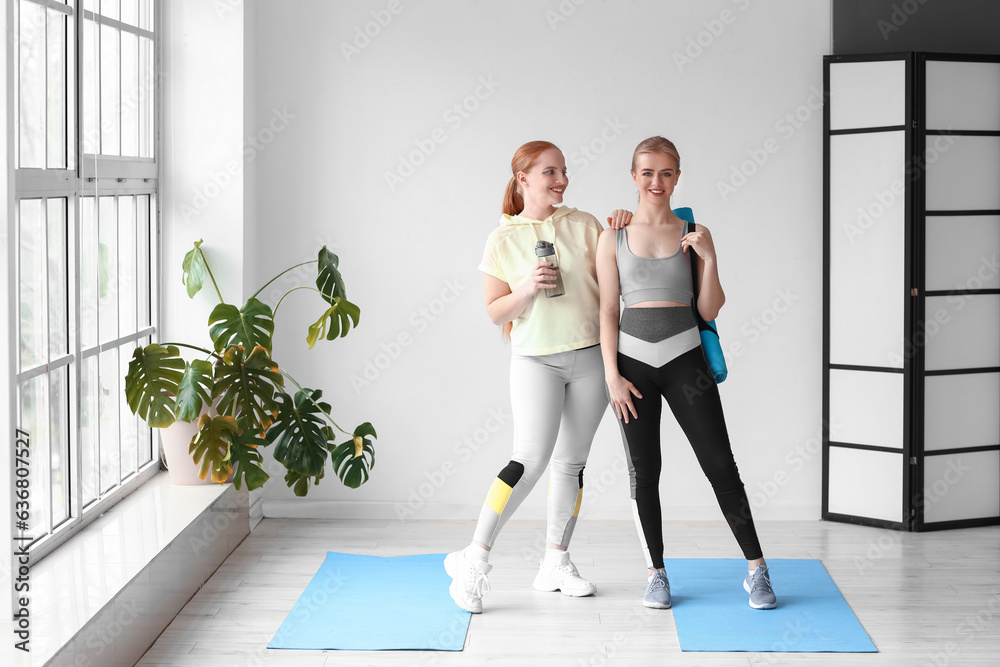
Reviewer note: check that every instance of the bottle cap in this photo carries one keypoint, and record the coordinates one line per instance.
(544, 249)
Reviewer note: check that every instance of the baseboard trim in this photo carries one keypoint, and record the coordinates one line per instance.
(256, 510)
(304, 508)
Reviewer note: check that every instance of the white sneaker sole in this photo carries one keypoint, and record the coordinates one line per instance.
(655, 605)
(547, 586)
(451, 568)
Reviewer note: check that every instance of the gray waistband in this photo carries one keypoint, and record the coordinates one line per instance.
(656, 324)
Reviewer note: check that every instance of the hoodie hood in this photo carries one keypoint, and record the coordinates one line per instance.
(560, 212)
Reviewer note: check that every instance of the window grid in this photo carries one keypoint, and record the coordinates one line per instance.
(89, 449)
(108, 37)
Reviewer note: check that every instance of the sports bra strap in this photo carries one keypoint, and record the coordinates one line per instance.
(652, 278)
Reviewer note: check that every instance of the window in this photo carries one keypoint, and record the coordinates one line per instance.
(85, 230)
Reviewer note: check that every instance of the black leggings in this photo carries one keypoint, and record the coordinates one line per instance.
(693, 396)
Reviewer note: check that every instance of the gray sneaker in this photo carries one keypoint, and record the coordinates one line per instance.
(758, 585)
(657, 591)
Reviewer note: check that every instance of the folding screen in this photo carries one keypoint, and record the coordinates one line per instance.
(911, 349)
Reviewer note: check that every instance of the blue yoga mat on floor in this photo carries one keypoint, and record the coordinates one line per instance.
(712, 614)
(370, 603)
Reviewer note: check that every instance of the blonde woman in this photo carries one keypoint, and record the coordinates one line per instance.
(654, 351)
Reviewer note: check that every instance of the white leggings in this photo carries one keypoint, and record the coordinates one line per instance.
(557, 401)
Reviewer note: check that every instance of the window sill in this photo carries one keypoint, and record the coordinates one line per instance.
(105, 595)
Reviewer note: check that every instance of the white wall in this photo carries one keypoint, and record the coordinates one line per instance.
(207, 183)
(201, 151)
(599, 74)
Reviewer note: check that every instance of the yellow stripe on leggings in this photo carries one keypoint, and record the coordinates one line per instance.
(498, 495)
(579, 501)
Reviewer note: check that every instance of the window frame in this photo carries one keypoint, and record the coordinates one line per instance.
(91, 175)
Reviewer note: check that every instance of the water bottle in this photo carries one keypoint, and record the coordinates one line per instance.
(547, 252)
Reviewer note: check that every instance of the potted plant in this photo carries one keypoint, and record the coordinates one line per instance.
(238, 375)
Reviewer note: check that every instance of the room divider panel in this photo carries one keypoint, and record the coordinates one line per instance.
(911, 335)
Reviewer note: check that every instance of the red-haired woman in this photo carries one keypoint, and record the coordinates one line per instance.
(655, 350)
(556, 375)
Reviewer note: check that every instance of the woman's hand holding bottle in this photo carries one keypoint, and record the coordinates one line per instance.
(543, 277)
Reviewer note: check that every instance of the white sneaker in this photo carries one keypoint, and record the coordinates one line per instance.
(469, 582)
(562, 575)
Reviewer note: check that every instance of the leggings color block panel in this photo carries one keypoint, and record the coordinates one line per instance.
(557, 401)
(685, 381)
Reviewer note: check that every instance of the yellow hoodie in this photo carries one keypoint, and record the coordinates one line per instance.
(557, 324)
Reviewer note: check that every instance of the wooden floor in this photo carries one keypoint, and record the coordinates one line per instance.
(925, 599)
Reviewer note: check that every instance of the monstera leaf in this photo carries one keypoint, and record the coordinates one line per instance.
(250, 326)
(353, 459)
(210, 447)
(241, 379)
(299, 484)
(194, 269)
(340, 316)
(300, 432)
(329, 281)
(152, 382)
(245, 386)
(195, 390)
(246, 461)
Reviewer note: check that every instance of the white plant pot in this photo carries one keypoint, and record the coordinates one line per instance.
(176, 440)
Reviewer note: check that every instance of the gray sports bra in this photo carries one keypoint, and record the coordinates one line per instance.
(652, 278)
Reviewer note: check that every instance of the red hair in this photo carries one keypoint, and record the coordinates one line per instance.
(524, 158)
(513, 201)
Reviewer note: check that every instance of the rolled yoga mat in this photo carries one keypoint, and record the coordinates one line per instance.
(711, 611)
(371, 603)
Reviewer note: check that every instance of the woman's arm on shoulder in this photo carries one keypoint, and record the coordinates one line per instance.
(619, 218)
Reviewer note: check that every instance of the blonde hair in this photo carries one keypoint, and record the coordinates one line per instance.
(524, 158)
(656, 145)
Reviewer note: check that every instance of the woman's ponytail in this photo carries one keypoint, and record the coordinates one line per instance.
(524, 158)
(513, 202)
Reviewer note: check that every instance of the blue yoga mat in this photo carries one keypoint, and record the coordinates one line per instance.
(712, 614)
(371, 603)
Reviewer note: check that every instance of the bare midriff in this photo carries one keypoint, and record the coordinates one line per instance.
(658, 304)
